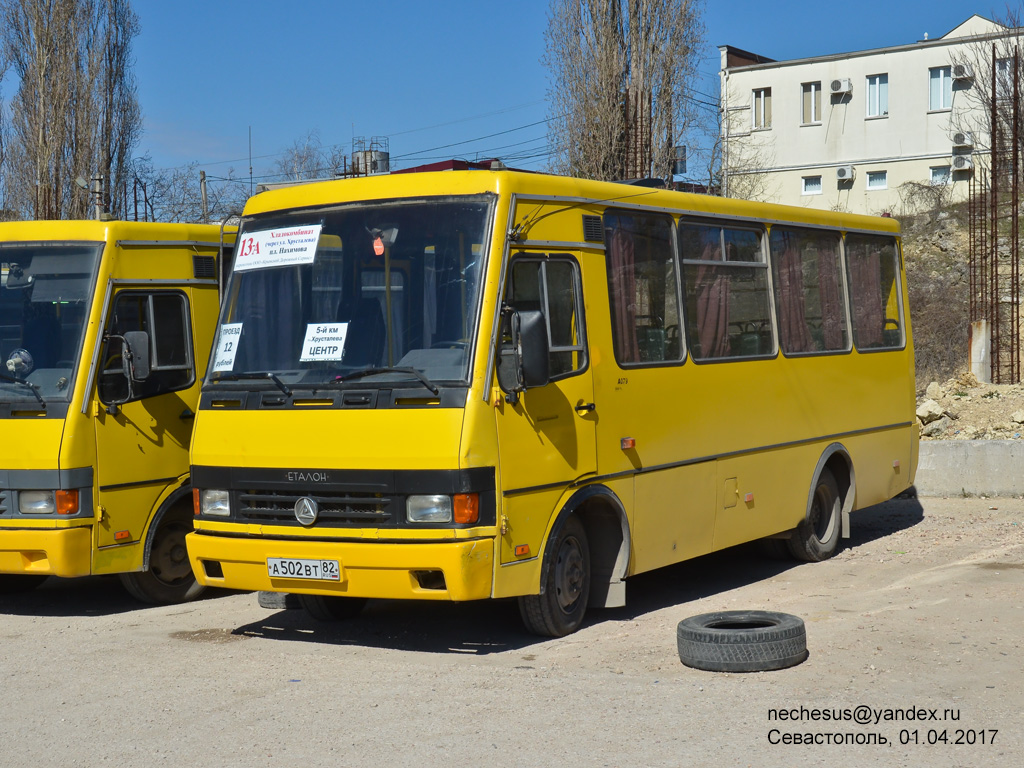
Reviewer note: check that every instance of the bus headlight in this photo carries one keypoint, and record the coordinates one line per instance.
(36, 503)
(214, 502)
(428, 509)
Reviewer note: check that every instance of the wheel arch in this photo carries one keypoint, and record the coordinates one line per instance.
(604, 519)
(837, 459)
(179, 497)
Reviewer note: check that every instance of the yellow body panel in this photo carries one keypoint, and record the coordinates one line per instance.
(137, 456)
(55, 552)
(724, 453)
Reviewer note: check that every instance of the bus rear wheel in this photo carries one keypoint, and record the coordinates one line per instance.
(16, 583)
(817, 537)
(169, 579)
(559, 610)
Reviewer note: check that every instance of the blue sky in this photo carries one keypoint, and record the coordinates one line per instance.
(440, 79)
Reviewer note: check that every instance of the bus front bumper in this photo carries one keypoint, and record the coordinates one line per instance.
(46, 552)
(451, 570)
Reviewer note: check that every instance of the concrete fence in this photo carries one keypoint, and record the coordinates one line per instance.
(971, 468)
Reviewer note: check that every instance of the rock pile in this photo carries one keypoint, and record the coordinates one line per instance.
(964, 409)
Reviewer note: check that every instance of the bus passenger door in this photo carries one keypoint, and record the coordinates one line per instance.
(547, 440)
(142, 433)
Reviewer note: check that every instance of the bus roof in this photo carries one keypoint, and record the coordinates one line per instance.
(540, 185)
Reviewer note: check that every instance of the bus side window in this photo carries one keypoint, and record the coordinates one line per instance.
(726, 291)
(809, 296)
(643, 288)
(872, 265)
(552, 286)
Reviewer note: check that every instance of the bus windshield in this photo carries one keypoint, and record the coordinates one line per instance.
(44, 303)
(369, 293)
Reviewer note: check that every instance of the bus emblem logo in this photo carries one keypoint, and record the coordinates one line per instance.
(306, 510)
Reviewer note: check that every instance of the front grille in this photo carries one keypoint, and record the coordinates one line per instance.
(335, 509)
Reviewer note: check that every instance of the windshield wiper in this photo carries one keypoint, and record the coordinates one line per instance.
(256, 377)
(374, 371)
(33, 387)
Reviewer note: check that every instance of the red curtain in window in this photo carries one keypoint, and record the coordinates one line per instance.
(623, 287)
(713, 304)
(793, 332)
(830, 294)
(866, 292)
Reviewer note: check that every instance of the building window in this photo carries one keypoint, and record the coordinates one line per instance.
(811, 112)
(763, 108)
(811, 185)
(878, 95)
(940, 175)
(940, 88)
(877, 180)
(1004, 78)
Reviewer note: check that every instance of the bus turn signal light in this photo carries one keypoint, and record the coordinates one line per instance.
(522, 550)
(467, 508)
(196, 506)
(67, 502)
(627, 443)
(122, 536)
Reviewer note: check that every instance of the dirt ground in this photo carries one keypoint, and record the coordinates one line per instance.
(920, 614)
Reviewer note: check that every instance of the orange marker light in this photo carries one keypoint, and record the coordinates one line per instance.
(467, 508)
(122, 536)
(522, 550)
(627, 443)
(67, 502)
(195, 501)
(748, 498)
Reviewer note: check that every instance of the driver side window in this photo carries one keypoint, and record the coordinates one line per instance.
(164, 316)
(552, 285)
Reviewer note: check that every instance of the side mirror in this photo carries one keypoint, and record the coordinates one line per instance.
(135, 357)
(523, 355)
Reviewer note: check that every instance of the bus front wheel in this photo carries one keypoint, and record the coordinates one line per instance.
(817, 537)
(559, 610)
(332, 607)
(169, 579)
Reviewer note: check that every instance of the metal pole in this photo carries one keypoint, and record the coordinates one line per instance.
(202, 190)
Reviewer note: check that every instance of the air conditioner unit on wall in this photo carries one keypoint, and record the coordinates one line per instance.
(963, 72)
(845, 173)
(963, 139)
(962, 162)
(841, 85)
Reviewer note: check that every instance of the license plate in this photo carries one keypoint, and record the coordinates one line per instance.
(293, 568)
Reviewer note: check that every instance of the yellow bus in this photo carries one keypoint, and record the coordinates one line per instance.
(105, 330)
(486, 384)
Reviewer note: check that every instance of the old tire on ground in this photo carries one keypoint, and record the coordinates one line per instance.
(817, 537)
(331, 608)
(16, 583)
(169, 579)
(742, 641)
(278, 600)
(559, 610)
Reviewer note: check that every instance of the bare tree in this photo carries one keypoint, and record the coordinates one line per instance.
(175, 194)
(620, 72)
(75, 112)
(307, 158)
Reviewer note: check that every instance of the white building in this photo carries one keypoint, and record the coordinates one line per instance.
(863, 131)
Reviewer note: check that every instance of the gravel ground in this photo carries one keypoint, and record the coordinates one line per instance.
(922, 610)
